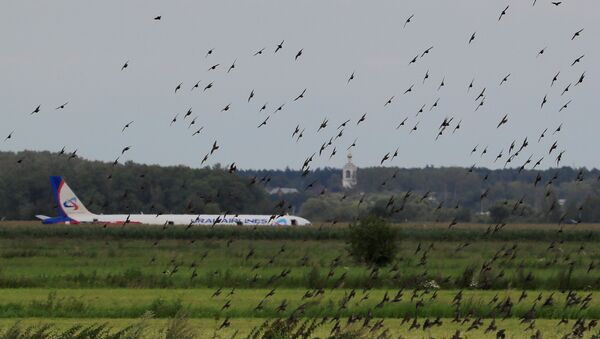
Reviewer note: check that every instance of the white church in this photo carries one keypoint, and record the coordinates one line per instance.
(349, 174)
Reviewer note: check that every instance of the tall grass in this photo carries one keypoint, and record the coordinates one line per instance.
(242, 304)
(466, 233)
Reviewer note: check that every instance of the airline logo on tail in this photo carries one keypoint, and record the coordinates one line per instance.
(71, 203)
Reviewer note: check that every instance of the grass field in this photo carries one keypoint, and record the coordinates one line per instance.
(241, 327)
(91, 275)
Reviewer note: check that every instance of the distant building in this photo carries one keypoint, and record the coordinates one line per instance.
(349, 174)
(282, 190)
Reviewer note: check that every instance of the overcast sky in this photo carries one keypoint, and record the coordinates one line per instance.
(58, 51)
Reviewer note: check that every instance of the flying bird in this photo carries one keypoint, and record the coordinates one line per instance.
(350, 78)
(580, 79)
(198, 131)
(503, 13)
(36, 110)
(565, 106)
(323, 124)
(343, 124)
(301, 95)
(541, 51)
(408, 20)
(544, 101)
(232, 66)
(263, 107)
(9, 136)
(389, 101)
(361, 119)
(279, 46)
(577, 60)
(505, 79)
(442, 84)
(554, 79)
(577, 34)
(503, 121)
(126, 126)
(264, 123)
(214, 147)
(414, 60)
(174, 119)
(259, 51)
(401, 123)
(472, 37)
(426, 51)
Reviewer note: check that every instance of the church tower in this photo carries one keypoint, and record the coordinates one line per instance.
(349, 174)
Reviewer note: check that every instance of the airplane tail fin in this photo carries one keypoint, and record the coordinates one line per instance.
(69, 206)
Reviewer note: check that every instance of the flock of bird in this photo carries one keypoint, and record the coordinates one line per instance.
(570, 78)
(502, 307)
(561, 85)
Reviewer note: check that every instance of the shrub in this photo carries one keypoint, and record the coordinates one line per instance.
(372, 241)
(162, 308)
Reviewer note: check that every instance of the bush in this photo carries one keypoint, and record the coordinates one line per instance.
(162, 308)
(372, 241)
(499, 212)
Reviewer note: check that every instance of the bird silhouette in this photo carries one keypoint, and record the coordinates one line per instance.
(62, 106)
(126, 126)
(577, 34)
(279, 46)
(503, 13)
(260, 51)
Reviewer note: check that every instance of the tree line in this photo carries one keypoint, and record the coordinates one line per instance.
(397, 194)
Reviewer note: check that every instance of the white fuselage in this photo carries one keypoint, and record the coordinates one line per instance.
(72, 211)
(192, 219)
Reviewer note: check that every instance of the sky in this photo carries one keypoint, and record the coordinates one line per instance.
(61, 51)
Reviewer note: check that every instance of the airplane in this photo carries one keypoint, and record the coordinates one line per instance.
(72, 211)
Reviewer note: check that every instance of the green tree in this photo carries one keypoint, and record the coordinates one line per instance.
(499, 212)
(372, 241)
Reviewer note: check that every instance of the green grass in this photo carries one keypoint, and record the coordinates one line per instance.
(171, 263)
(209, 328)
(87, 274)
(200, 303)
(413, 231)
